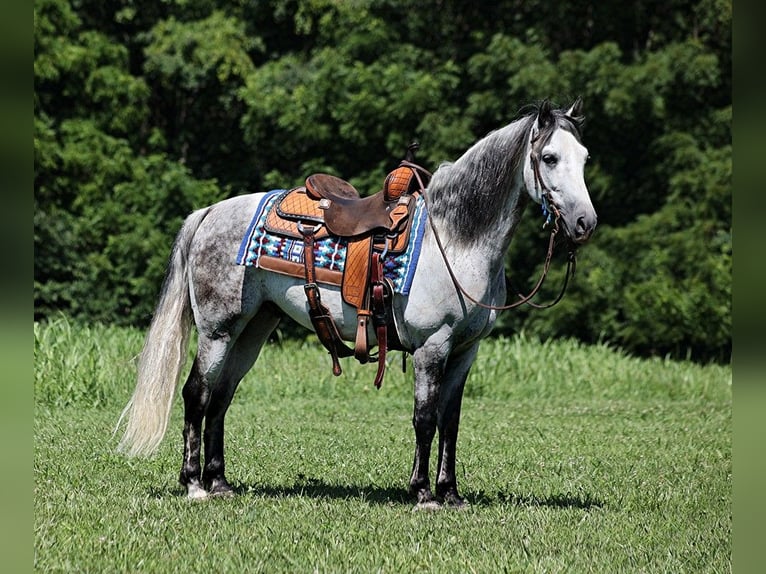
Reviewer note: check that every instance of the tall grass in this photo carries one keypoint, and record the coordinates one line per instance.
(86, 366)
(574, 459)
(94, 366)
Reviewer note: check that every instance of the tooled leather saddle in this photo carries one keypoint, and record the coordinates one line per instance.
(373, 227)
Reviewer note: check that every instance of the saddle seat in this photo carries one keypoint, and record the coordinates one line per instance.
(346, 214)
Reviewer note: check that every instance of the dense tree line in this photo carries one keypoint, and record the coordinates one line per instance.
(147, 110)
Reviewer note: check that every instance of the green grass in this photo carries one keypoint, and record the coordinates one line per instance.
(574, 459)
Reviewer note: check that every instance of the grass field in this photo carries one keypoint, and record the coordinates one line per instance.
(573, 459)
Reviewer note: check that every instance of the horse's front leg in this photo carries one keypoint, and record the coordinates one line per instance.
(448, 421)
(429, 368)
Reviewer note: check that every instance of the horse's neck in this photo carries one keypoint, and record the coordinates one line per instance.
(478, 233)
(479, 197)
(485, 253)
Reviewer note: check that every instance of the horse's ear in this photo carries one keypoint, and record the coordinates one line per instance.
(576, 110)
(545, 114)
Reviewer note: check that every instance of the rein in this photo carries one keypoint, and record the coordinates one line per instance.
(549, 209)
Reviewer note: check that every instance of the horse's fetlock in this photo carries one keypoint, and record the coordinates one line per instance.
(447, 491)
(185, 478)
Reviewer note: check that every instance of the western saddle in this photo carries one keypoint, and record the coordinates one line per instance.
(373, 227)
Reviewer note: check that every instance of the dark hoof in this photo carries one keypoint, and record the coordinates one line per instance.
(426, 501)
(455, 502)
(220, 488)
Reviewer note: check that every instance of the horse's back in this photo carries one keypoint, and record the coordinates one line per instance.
(229, 218)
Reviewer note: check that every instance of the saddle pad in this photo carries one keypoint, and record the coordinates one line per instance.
(330, 252)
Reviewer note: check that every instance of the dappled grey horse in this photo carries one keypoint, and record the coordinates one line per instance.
(473, 207)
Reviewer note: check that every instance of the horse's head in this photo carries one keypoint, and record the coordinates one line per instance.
(553, 171)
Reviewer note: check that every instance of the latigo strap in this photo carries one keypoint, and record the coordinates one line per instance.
(320, 316)
(379, 315)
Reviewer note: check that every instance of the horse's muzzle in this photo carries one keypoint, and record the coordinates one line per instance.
(582, 228)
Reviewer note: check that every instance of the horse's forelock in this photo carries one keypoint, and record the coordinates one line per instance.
(572, 124)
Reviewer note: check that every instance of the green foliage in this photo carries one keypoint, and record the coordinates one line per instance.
(189, 55)
(101, 254)
(574, 459)
(82, 74)
(340, 114)
(195, 69)
(107, 205)
(144, 111)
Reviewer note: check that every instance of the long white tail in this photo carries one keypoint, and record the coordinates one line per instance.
(164, 353)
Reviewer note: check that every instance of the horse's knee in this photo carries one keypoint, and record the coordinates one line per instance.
(424, 424)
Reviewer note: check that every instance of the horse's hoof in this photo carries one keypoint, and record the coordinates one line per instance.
(220, 488)
(455, 502)
(428, 506)
(222, 492)
(196, 492)
(459, 504)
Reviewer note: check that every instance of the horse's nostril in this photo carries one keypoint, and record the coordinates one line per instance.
(583, 229)
(580, 228)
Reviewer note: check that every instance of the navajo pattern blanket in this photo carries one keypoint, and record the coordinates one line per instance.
(329, 253)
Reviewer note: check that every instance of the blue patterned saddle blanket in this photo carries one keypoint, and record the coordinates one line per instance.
(260, 246)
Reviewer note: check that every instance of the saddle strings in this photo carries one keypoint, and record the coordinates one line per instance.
(571, 261)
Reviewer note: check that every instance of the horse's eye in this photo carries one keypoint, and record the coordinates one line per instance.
(550, 159)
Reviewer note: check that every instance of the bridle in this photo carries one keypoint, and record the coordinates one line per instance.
(549, 208)
(550, 211)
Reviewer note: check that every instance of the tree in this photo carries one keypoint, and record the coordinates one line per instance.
(104, 215)
(145, 111)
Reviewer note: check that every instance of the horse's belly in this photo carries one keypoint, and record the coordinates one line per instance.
(288, 294)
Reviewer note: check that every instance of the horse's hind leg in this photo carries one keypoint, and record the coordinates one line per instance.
(196, 394)
(219, 366)
(241, 358)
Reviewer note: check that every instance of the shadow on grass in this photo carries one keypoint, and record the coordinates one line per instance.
(310, 487)
(583, 502)
(317, 488)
